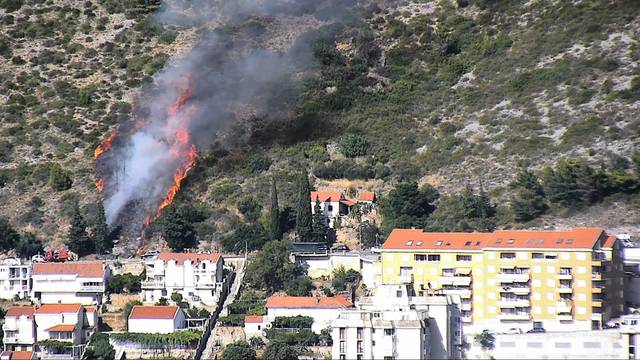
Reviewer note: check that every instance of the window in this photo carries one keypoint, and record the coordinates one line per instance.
(343, 346)
(359, 347)
(359, 357)
(433, 257)
(507, 255)
(537, 345)
(330, 207)
(563, 345)
(388, 332)
(507, 344)
(343, 333)
(418, 257)
(463, 257)
(360, 332)
(537, 256)
(551, 256)
(343, 357)
(565, 271)
(592, 345)
(399, 293)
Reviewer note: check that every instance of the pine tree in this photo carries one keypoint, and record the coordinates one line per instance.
(78, 241)
(101, 238)
(528, 201)
(320, 229)
(275, 233)
(304, 222)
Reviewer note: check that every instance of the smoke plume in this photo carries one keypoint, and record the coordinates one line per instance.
(141, 166)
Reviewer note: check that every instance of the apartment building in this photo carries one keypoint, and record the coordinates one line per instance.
(557, 280)
(323, 310)
(197, 277)
(15, 279)
(70, 282)
(19, 328)
(395, 324)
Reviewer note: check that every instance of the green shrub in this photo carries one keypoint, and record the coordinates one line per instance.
(59, 179)
(353, 145)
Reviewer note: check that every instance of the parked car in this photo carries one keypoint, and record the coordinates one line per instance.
(514, 331)
(537, 330)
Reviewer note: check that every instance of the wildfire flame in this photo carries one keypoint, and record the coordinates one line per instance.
(104, 146)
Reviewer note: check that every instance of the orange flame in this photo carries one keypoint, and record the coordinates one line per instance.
(100, 185)
(104, 145)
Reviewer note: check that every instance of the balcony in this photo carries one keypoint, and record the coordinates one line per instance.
(10, 326)
(518, 290)
(153, 284)
(514, 316)
(203, 285)
(405, 278)
(596, 290)
(511, 278)
(465, 306)
(596, 276)
(564, 317)
(565, 275)
(565, 289)
(91, 288)
(564, 306)
(596, 302)
(467, 319)
(512, 303)
(464, 293)
(455, 280)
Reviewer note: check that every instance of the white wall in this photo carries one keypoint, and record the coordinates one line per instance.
(59, 288)
(25, 329)
(157, 326)
(322, 318)
(16, 284)
(46, 321)
(253, 329)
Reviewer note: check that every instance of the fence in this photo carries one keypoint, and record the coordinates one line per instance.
(211, 322)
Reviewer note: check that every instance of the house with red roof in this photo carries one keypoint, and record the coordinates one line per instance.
(333, 204)
(323, 310)
(17, 355)
(19, 328)
(82, 282)
(197, 277)
(254, 325)
(156, 319)
(63, 322)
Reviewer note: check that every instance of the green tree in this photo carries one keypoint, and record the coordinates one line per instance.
(300, 286)
(253, 234)
(275, 232)
(271, 268)
(304, 221)
(103, 242)
(353, 145)
(100, 348)
(177, 230)
(407, 206)
(8, 235)
(572, 183)
(344, 279)
(162, 302)
(125, 283)
(319, 229)
(239, 350)
(176, 297)
(59, 179)
(528, 202)
(126, 310)
(369, 234)
(280, 351)
(78, 240)
(28, 245)
(466, 211)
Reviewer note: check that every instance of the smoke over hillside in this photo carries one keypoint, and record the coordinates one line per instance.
(140, 167)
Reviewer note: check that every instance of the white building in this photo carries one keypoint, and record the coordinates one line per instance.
(333, 205)
(254, 325)
(19, 328)
(197, 277)
(395, 324)
(70, 282)
(323, 310)
(15, 279)
(63, 322)
(318, 265)
(156, 319)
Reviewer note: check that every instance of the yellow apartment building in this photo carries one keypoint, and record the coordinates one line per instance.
(556, 280)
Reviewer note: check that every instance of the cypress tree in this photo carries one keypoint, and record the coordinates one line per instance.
(101, 238)
(303, 211)
(79, 242)
(320, 229)
(275, 233)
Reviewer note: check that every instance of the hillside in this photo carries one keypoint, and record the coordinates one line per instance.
(447, 93)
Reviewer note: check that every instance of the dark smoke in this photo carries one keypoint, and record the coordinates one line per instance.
(227, 75)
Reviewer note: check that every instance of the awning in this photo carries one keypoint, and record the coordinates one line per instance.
(463, 271)
(62, 328)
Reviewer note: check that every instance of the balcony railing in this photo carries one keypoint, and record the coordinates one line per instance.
(596, 276)
(514, 316)
(92, 288)
(152, 284)
(564, 306)
(511, 303)
(514, 277)
(203, 285)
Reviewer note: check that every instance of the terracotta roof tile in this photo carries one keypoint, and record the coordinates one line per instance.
(608, 244)
(62, 328)
(335, 302)
(153, 312)
(411, 239)
(367, 196)
(252, 319)
(18, 355)
(348, 202)
(180, 258)
(87, 269)
(16, 311)
(58, 308)
(323, 196)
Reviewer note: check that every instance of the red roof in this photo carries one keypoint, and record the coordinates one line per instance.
(608, 244)
(252, 319)
(297, 302)
(348, 202)
(153, 312)
(17, 355)
(17, 311)
(62, 328)
(412, 239)
(87, 269)
(180, 258)
(367, 196)
(324, 196)
(58, 308)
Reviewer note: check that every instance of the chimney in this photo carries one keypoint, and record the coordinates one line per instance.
(317, 300)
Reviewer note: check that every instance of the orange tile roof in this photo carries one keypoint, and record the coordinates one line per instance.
(367, 196)
(153, 312)
(323, 196)
(62, 328)
(16, 311)
(252, 319)
(87, 269)
(18, 355)
(58, 308)
(180, 258)
(411, 239)
(348, 202)
(608, 244)
(297, 302)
